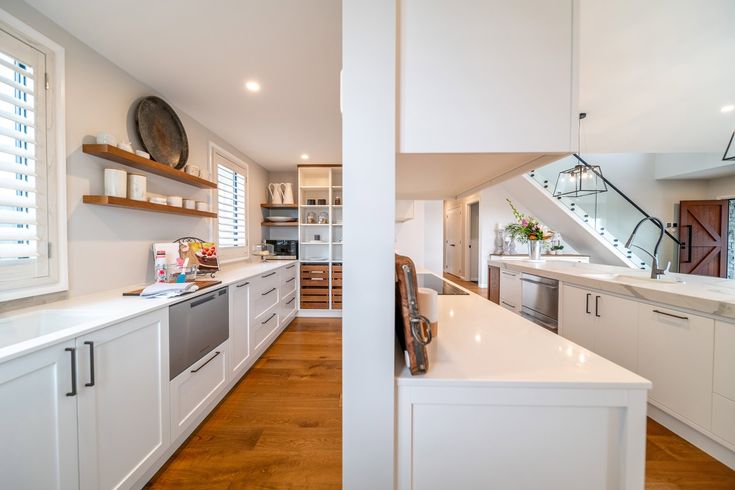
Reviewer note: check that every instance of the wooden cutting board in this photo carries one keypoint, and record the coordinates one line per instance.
(201, 284)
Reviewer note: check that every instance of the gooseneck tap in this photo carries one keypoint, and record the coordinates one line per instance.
(655, 271)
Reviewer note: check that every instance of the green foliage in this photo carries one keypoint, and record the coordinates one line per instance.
(527, 227)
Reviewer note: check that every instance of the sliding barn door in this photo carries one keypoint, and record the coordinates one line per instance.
(703, 236)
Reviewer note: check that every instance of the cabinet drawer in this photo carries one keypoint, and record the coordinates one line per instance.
(723, 418)
(263, 327)
(510, 287)
(725, 359)
(675, 352)
(194, 389)
(510, 306)
(288, 308)
(264, 293)
(289, 280)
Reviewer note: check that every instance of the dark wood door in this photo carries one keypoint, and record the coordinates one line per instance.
(703, 236)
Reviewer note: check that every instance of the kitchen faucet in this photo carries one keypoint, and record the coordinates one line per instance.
(655, 271)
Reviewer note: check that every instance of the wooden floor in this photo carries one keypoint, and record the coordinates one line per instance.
(472, 286)
(280, 428)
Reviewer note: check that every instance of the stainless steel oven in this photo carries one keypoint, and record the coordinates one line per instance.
(540, 301)
(196, 327)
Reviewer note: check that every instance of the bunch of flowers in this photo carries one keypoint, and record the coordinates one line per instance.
(527, 227)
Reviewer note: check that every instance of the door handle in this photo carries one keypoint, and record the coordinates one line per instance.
(267, 292)
(671, 315)
(243, 284)
(290, 266)
(687, 245)
(73, 352)
(268, 275)
(269, 319)
(200, 367)
(597, 306)
(587, 304)
(291, 280)
(91, 363)
(292, 300)
(451, 244)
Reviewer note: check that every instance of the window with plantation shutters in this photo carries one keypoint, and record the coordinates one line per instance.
(25, 225)
(231, 204)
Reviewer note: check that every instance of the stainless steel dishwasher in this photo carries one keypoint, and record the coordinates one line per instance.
(196, 327)
(540, 301)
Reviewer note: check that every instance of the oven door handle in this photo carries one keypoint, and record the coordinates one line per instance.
(535, 320)
(539, 283)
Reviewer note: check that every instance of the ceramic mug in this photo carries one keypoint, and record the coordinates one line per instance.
(126, 145)
(202, 206)
(116, 182)
(190, 204)
(136, 187)
(177, 201)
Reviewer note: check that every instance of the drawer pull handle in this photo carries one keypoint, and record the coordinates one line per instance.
(243, 284)
(508, 304)
(194, 304)
(210, 360)
(509, 274)
(268, 275)
(91, 363)
(671, 315)
(269, 319)
(587, 304)
(73, 352)
(290, 266)
(268, 292)
(292, 300)
(597, 306)
(291, 280)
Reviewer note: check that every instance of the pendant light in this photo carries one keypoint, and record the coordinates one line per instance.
(730, 150)
(582, 179)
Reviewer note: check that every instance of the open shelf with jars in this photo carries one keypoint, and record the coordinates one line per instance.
(320, 237)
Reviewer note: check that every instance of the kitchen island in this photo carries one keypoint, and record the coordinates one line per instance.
(508, 404)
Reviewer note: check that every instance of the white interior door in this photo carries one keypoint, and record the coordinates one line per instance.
(453, 242)
(474, 242)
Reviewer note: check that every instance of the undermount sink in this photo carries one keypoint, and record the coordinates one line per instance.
(19, 328)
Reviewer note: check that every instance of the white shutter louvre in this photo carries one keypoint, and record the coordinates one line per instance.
(231, 207)
(23, 174)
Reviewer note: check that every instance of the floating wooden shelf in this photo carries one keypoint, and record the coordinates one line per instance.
(115, 154)
(144, 206)
(288, 223)
(279, 206)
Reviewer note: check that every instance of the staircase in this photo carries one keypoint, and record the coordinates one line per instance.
(608, 218)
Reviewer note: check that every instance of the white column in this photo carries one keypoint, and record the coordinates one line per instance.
(368, 140)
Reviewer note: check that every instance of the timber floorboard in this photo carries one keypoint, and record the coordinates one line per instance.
(281, 428)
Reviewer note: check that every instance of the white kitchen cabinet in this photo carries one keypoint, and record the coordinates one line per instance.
(287, 309)
(241, 353)
(264, 292)
(196, 387)
(675, 352)
(723, 418)
(39, 420)
(724, 366)
(264, 329)
(487, 76)
(605, 324)
(123, 401)
(510, 290)
(576, 317)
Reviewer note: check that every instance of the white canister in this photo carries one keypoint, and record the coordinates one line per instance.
(175, 201)
(192, 170)
(190, 204)
(105, 138)
(136, 187)
(202, 206)
(116, 182)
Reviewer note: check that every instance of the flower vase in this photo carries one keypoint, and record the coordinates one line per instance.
(534, 249)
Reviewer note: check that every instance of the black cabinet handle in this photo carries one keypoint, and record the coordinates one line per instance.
(269, 319)
(292, 300)
(243, 284)
(671, 315)
(73, 352)
(597, 306)
(268, 275)
(290, 266)
(291, 280)
(268, 292)
(587, 303)
(200, 367)
(91, 363)
(507, 304)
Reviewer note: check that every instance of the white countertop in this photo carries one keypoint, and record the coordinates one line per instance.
(708, 295)
(481, 343)
(30, 329)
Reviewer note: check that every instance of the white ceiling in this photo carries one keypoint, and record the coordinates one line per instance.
(199, 54)
(654, 75)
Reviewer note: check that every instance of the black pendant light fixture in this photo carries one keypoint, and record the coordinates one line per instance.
(730, 150)
(580, 180)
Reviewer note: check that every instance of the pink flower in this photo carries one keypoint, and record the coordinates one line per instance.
(524, 222)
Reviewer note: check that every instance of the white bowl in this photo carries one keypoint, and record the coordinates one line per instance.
(177, 201)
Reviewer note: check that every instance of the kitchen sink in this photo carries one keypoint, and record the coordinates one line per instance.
(630, 278)
(19, 328)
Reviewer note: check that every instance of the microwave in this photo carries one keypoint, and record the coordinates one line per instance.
(284, 249)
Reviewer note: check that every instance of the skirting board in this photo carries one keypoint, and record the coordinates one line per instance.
(319, 314)
(702, 441)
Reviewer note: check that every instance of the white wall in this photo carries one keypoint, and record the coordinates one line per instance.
(111, 247)
(722, 188)
(421, 238)
(368, 333)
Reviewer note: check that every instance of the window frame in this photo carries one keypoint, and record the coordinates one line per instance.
(58, 278)
(230, 254)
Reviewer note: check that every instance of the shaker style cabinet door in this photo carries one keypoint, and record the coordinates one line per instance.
(241, 352)
(39, 420)
(616, 329)
(124, 419)
(578, 317)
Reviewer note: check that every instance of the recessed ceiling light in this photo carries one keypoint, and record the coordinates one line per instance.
(304, 156)
(252, 86)
(727, 108)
